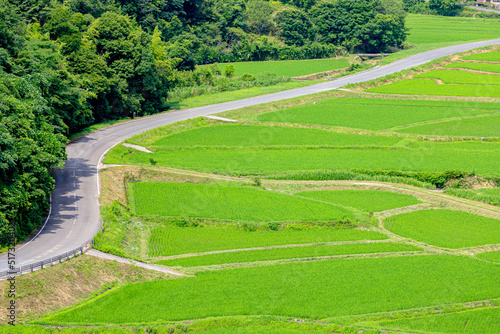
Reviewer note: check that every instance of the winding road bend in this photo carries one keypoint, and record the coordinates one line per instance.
(74, 218)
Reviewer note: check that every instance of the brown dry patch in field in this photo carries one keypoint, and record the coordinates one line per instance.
(472, 182)
(319, 75)
(438, 82)
(66, 284)
(114, 179)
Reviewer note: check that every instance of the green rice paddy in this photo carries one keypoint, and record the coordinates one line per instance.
(262, 161)
(484, 56)
(229, 202)
(461, 77)
(376, 114)
(485, 67)
(288, 253)
(488, 126)
(446, 228)
(248, 135)
(429, 87)
(493, 256)
(167, 241)
(366, 200)
(305, 290)
(485, 321)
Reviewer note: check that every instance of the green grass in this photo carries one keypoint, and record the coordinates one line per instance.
(175, 240)
(484, 321)
(429, 87)
(490, 256)
(461, 77)
(311, 290)
(376, 114)
(446, 228)
(288, 68)
(248, 135)
(429, 32)
(485, 56)
(222, 97)
(262, 162)
(287, 253)
(488, 126)
(229, 202)
(493, 68)
(489, 196)
(366, 200)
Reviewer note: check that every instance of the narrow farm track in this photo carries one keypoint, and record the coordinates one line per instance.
(75, 219)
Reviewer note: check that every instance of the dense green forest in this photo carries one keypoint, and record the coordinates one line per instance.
(65, 65)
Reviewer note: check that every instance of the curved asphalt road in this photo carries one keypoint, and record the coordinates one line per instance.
(75, 209)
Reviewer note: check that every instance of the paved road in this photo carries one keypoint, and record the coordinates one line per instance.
(484, 9)
(75, 209)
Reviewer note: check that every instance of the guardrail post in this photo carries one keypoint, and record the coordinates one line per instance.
(31, 265)
(51, 264)
(59, 258)
(20, 271)
(41, 265)
(67, 255)
(81, 250)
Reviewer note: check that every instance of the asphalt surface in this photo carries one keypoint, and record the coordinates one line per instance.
(484, 9)
(75, 208)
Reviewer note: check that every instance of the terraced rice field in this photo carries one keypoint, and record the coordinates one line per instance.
(484, 56)
(430, 87)
(485, 321)
(230, 202)
(348, 287)
(461, 77)
(366, 200)
(375, 114)
(167, 241)
(265, 162)
(467, 127)
(288, 253)
(445, 228)
(484, 67)
(455, 82)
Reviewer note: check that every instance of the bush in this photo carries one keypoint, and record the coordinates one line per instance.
(229, 71)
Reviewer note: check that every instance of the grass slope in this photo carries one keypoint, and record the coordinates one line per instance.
(229, 202)
(485, 321)
(446, 228)
(288, 253)
(376, 114)
(172, 240)
(288, 68)
(366, 200)
(490, 196)
(313, 289)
